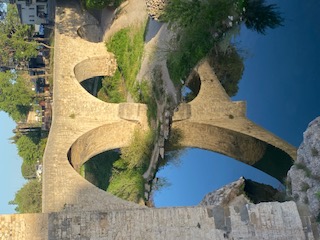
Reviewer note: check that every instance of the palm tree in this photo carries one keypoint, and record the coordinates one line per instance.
(258, 16)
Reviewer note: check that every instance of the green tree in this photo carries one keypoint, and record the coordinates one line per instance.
(258, 16)
(28, 170)
(28, 198)
(15, 95)
(28, 150)
(16, 44)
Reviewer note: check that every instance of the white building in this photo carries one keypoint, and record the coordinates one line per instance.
(33, 11)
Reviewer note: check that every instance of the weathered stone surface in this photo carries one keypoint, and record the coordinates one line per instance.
(155, 8)
(224, 195)
(304, 176)
(240, 220)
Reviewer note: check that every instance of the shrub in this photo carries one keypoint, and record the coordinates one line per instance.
(137, 154)
(128, 185)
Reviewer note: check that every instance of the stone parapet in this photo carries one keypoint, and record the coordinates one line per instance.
(272, 221)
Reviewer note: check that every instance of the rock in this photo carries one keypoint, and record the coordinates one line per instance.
(252, 191)
(155, 8)
(224, 195)
(303, 180)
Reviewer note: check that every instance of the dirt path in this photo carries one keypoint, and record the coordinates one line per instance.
(129, 13)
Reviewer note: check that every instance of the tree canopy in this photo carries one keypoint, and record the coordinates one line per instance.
(16, 44)
(259, 16)
(28, 198)
(15, 95)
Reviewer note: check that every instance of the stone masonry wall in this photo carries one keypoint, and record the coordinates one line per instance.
(268, 221)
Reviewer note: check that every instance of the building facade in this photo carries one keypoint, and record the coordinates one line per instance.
(33, 11)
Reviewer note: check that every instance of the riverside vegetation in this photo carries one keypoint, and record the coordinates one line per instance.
(203, 30)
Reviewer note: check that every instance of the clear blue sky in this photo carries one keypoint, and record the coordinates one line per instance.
(281, 85)
(11, 179)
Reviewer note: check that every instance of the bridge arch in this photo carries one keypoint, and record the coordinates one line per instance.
(94, 67)
(98, 140)
(90, 32)
(236, 145)
(212, 121)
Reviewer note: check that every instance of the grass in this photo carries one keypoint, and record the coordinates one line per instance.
(127, 45)
(113, 89)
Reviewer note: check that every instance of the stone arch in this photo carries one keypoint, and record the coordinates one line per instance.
(224, 141)
(237, 145)
(90, 32)
(95, 66)
(98, 140)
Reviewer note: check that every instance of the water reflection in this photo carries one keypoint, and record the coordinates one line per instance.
(200, 172)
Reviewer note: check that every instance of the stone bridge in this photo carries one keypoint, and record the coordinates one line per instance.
(83, 126)
(212, 121)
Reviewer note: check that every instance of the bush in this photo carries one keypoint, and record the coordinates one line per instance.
(196, 21)
(137, 154)
(128, 185)
(113, 90)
